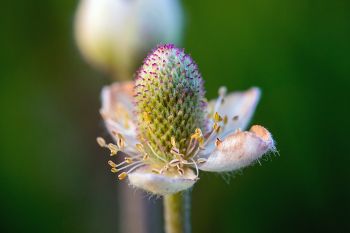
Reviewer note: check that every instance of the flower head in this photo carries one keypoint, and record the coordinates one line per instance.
(166, 130)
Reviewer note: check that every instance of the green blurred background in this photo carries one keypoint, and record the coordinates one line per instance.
(54, 177)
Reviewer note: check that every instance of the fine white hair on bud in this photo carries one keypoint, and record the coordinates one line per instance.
(114, 35)
(162, 184)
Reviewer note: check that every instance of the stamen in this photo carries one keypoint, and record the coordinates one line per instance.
(158, 143)
(122, 176)
(201, 160)
(177, 153)
(101, 142)
(130, 165)
(132, 169)
(165, 168)
(180, 171)
(120, 141)
(114, 170)
(128, 160)
(225, 119)
(198, 131)
(217, 142)
(196, 151)
(175, 150)
(145, 156)
(156, 154)
(122, 163)
(174, 162)
(140, 148)
(195, 164)
(217, 128)
(156, 171)
(217, 117)
(111, 163)
(113, 148)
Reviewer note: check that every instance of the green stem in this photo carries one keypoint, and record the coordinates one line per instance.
(177, 212)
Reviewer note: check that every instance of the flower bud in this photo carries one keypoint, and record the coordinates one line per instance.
(170, 102)
(114, 35)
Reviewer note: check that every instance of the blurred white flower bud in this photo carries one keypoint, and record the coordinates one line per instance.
(114, 35)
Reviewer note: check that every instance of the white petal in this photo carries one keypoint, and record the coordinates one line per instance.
(240, 104)
(161, 184)
(117, 110)
(239, 150)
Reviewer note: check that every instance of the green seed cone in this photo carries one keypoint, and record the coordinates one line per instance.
(169, 100)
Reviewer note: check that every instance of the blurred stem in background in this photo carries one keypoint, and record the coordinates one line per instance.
(114, 36)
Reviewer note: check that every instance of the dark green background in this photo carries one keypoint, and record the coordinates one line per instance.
(54, 178)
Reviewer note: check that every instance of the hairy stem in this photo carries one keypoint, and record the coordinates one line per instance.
(177, 212)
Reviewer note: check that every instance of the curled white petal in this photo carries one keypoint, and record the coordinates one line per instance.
(117, 110)
(239, 150)
(161, 184)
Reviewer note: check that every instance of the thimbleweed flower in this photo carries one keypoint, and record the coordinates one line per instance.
(167, 131)
(114, 35)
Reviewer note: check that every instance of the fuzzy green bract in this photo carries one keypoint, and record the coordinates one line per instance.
(169, 98)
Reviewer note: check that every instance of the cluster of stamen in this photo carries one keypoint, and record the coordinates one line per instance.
(129, 163)
(180, 160)
(171, 114)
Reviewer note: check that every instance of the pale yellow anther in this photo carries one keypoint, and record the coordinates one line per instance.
(180, 171)
(114, 170)
(139, 148)
(217, 117)
(114, 133)
(101, 142)
(217, 142)
(113, 148)
(225, 119)
(156, 171)
(122, 176)
(112, 164)
(121, 141)
(128, 160)
(174, 162)
(175, 151)
(198, 131)
(145, 156)
(194, 136)
(201, 160)
(217, 129)
(201, 140)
